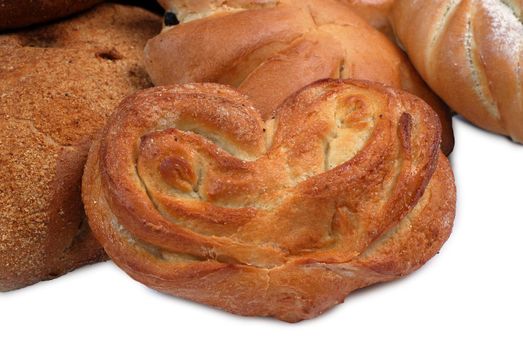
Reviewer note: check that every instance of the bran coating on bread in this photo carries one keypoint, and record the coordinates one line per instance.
(22, 13)
(59, 83)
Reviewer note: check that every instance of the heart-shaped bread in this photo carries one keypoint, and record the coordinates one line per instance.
(192, 194)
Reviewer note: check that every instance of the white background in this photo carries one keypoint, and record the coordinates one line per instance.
(468, 296)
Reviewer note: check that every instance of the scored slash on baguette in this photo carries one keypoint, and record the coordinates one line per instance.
(471, 54)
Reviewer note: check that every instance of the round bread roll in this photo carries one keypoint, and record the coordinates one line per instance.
(21, 13)
(193, 194)
(58, 84)
(471, 53)
(269, 49)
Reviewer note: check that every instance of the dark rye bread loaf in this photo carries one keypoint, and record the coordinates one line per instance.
(58, 84)
(21, 13)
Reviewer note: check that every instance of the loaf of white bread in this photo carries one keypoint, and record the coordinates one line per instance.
(269, 49)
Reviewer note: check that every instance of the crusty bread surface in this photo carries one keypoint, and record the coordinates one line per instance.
(269, 49)
(22, 13)
(375, 12)
(58, 84)
(471, 53)
(192, 193)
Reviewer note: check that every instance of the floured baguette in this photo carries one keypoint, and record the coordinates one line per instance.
(471, 53)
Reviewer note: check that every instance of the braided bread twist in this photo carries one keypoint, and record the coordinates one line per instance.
(471, 53)
(191, 193)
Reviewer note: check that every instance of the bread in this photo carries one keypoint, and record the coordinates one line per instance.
(471, 53)
(193, 194)
(375, 12)
(269, 49)
(21, 13)
(58, 84)
(150, 5)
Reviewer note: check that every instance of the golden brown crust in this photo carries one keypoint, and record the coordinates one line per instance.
(471, 53)
(375, 12)
(192, 193)
(21, 13)
(58, 85)
(269, 49)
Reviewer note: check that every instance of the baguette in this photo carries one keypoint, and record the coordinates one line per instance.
(471, 53)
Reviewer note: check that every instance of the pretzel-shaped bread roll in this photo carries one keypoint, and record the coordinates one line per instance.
(193, 194)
